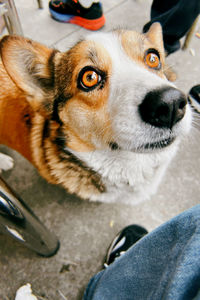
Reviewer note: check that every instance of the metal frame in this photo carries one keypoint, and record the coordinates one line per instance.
(10, 15)
(16, 218)
(18, 221)
(190, 34)
(9, 12)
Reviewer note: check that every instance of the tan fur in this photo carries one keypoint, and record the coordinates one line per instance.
(15, 117)
(140, 43)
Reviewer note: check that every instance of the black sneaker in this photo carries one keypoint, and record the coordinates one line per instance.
(123, 241)
(71, 11)
(194, 98)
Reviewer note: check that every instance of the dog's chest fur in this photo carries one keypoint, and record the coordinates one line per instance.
(128, 177)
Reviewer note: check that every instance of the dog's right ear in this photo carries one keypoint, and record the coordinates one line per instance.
(29, 64)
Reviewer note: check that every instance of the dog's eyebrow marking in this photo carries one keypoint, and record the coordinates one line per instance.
(93, 56)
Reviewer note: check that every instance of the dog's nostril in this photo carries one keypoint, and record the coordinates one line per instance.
(182, 104)
(180, 110)
(162, 110)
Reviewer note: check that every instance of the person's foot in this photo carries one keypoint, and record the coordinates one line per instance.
(71, 11)
(194, 98)
(123, 241)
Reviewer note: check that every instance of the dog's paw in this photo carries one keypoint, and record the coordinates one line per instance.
(6, 162)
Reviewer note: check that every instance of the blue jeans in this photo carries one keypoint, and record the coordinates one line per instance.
(165, 264)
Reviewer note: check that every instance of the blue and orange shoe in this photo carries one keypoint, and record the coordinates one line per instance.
(71, 11)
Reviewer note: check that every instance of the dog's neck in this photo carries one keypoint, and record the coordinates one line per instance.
(128, 177)
(15, 124)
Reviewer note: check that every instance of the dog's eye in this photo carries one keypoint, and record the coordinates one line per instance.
(90, 78)
(152, 59)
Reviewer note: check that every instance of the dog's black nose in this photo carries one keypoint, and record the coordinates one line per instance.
(163, 107)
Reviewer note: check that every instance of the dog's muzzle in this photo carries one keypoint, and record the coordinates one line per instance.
(163, 107)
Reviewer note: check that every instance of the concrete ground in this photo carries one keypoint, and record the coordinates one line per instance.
(86, 229)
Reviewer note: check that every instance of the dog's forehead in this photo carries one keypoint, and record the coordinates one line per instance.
(121, 44)
(120, 55)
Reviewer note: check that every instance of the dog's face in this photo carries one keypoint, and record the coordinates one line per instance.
(107, 92)
(146, 111)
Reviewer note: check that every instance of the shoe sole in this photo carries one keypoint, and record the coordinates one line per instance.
(86, 23)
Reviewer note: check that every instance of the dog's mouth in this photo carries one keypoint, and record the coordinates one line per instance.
(158, 144)
(149, 146)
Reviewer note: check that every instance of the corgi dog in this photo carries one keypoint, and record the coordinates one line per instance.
(101, 119)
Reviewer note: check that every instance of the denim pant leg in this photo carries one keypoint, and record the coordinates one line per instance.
(165, 264)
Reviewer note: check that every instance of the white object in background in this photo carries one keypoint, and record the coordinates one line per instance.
(87, 3)
(25, 293)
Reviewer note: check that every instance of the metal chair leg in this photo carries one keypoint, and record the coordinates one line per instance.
(17, 220)
(40, 4)
(10, 16)
(190, 34)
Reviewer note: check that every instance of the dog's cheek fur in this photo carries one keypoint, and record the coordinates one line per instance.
(87, 127)
(58, 166)
(86, 121)
(84, 114)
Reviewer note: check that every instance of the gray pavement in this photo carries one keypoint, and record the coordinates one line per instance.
(86, 229)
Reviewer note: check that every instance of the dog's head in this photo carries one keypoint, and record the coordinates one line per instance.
(109, 91)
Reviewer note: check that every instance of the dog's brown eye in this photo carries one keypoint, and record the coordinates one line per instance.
(152, 60)
(90, 78)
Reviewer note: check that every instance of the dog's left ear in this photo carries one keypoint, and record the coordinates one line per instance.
(29, 64)
(154, 34)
